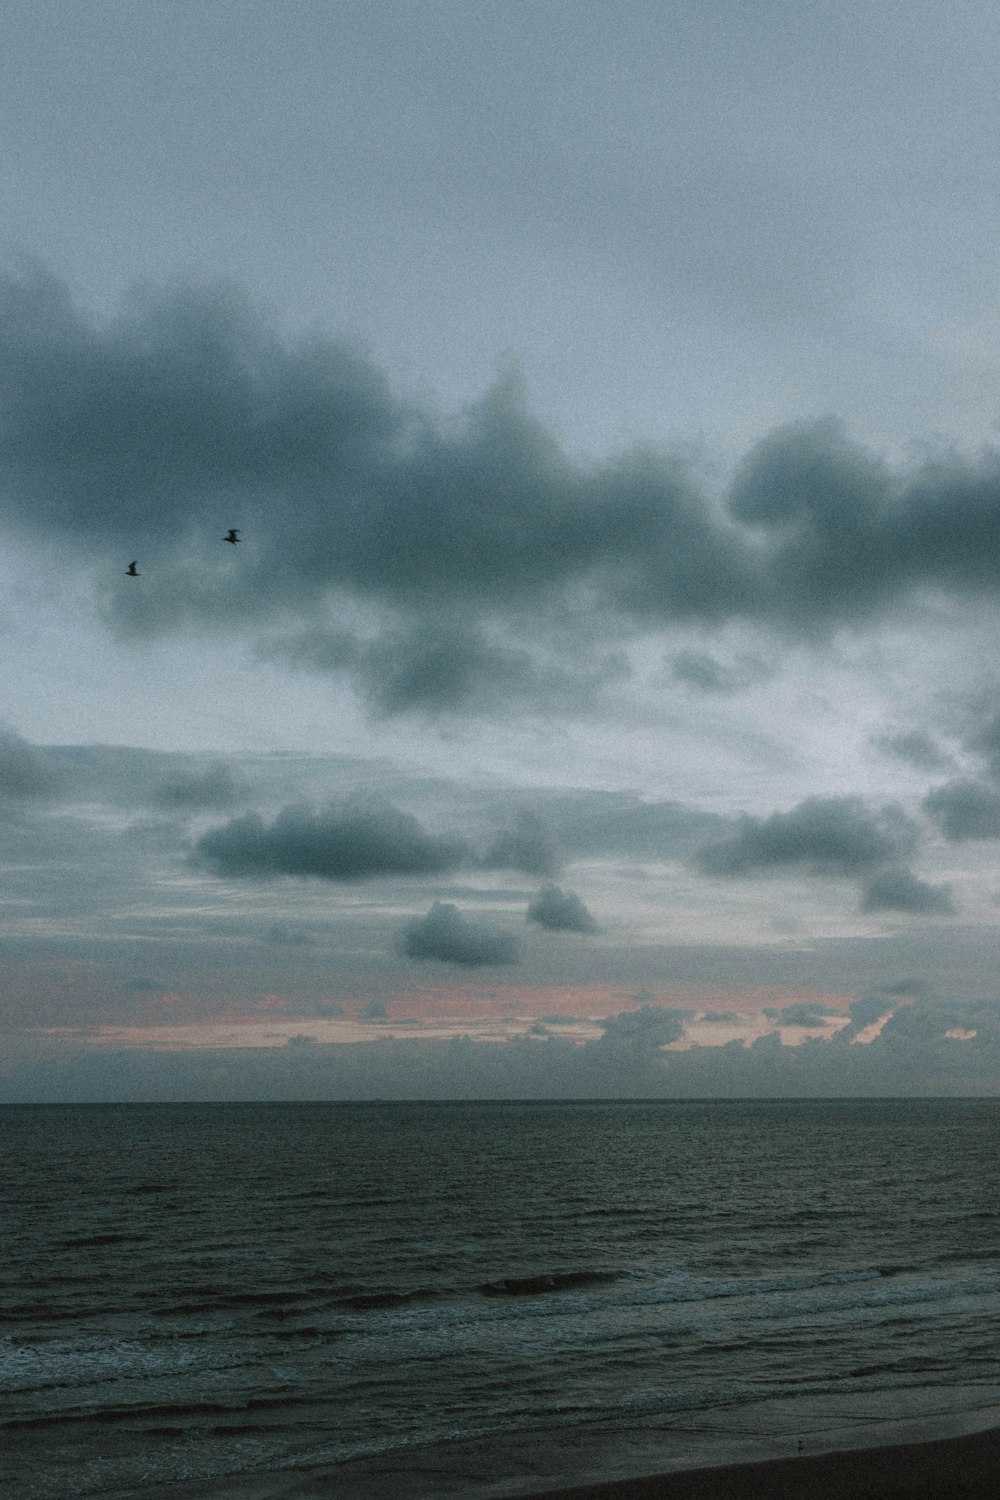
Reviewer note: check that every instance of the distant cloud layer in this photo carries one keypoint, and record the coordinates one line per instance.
(441, 565)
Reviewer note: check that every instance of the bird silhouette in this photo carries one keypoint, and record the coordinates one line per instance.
(132, 571)
(232, 536)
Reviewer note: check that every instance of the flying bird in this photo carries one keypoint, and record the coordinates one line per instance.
(132, 571)
(232, 536)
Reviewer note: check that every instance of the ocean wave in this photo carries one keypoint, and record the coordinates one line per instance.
(538, 1284)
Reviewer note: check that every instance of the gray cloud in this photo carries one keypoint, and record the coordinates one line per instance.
(965, 809)
(701, 670)
(805, 1015)
(985, 741)
(215, 787)
(331, 845)
(898, 889)
(447, 935)
(640, 1033)
(916, 748)
(442, 666)
(526, 844)
(589, 823)
(560, 911)
(829, 835)
(25, 772)
(289, 935)
(120, 440)
(866, 1011)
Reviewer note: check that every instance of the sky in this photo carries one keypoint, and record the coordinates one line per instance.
(601, 698)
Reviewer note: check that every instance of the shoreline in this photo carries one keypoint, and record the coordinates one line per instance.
(963, 1466)
(957, 1468)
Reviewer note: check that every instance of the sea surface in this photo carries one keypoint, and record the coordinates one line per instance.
(189, 1291)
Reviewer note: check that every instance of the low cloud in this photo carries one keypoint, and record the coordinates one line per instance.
(289, 935)
(447, 935)
(705, 673)
(641, 1033)
(827, 835)
(217, 787)
(560, 911)
(25, 772)
(805, 1015)
(328, 845)
(898, 889)
(965, 809)
(526, 844)
(916, 748)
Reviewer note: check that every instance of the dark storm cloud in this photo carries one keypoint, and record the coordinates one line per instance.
(965, 809)
(148, 435)
(828, 835)
(898, 889)
(216, 787)
(447, 935)
(845, 534)
(560, 911)
(330, 844)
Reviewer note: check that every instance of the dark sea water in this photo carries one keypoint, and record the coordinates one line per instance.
(200, 1290)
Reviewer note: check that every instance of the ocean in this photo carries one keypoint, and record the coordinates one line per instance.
(482, 1298)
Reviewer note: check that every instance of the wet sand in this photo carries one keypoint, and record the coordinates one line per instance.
(963, 1468)
(957, 1468)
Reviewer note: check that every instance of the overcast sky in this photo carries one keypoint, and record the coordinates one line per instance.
(602, 695)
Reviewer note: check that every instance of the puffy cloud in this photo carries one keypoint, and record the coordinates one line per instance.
(330, 845)
(560, 911)
(898, 889)
(829, 835)
(447, 935)
(965, 809)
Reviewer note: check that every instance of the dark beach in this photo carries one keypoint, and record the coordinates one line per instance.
(963, 1468)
